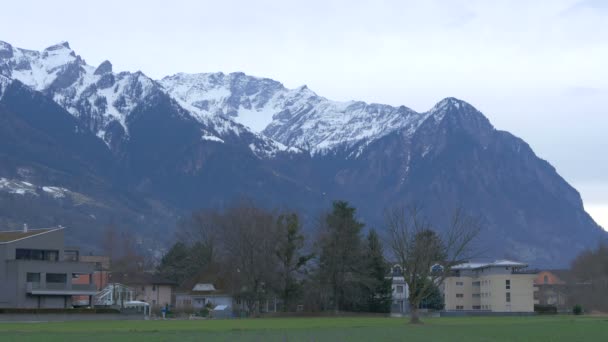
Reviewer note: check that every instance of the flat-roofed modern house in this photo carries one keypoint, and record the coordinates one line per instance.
(36, 270)
(499, 286)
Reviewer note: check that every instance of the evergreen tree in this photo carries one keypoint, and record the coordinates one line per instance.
(379, 294)
(291, 260)
(341, 260)
(183, 262)
(433, 300)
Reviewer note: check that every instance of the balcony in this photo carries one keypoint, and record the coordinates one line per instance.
(60, 289)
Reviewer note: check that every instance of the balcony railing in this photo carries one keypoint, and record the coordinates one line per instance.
(33, 287)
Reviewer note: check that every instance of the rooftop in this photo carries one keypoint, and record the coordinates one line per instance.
(10, 236)
(140, 279)
(496, 263)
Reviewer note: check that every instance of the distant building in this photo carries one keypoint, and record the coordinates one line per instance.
(499, 286)
(146, 287)
(201, 295)
(400, 291)
(561, 289)
(37, 271)
(99, 278)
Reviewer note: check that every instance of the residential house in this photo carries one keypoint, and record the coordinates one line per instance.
(559, 288)
(499, 286)
(147, 287)
(99, 277)
(206, 288)
(400, 292)
(37, 271)
(201, 295)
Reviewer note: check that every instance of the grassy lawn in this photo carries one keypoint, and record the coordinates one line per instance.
(556, 328)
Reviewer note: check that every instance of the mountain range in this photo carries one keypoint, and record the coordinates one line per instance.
(90, 148)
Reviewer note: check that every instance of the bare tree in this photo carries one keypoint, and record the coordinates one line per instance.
(425, 256)
(247, 236)
(589, 287)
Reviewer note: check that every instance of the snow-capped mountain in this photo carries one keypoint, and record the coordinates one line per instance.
(105, 100)
(122, 147)
(294, 117)
(273, 117)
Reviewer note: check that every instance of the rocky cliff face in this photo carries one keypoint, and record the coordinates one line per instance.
(121, 147)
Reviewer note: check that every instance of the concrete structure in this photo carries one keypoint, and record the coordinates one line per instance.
(400, 291)
(36, 270)
(149, 288)
(499, 286)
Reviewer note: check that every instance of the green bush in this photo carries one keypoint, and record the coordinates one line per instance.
(577, 310)
(545, 309)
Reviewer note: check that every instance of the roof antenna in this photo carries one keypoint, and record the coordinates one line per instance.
(25, 227)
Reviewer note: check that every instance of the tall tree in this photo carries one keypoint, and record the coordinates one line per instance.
(182, 261)
(248, 239)
(340, 262)
(590, 269)
(378, 290)
(291, 260)
(426, 257)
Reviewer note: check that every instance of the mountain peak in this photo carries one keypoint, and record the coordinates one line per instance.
(59, 46)
(451, 102)
(103, 68)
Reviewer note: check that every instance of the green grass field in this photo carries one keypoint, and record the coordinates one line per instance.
(556, 328)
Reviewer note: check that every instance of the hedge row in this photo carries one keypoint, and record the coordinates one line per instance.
(59, 311)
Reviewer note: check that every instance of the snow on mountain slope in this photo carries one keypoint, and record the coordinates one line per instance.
(102, 98)
(4, 82)
(265, 115)
(295, 117)
(96, 94)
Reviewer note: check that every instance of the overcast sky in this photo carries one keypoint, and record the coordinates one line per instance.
(536, 68)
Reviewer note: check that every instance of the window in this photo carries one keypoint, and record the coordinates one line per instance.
(459, 307)
(476, 295)
(459, 283)
(33, 277)
(399, 289)
(70, 255)
(508, 297)
(459, 295)
(153, 287)
(508, 284)
(476, 283)
(60, 278)
(546, 279)
(36, 254)
(476, 307)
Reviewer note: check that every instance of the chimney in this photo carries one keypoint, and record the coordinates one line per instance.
(25, 227)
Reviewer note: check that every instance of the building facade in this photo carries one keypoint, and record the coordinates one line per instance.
(146, 287)
(500, 286)
(37, 271)
(400, 293)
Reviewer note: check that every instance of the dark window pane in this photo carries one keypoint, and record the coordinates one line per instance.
(56, 278)
(33, 277)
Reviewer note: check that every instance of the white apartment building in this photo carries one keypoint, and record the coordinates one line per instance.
(499, 286)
